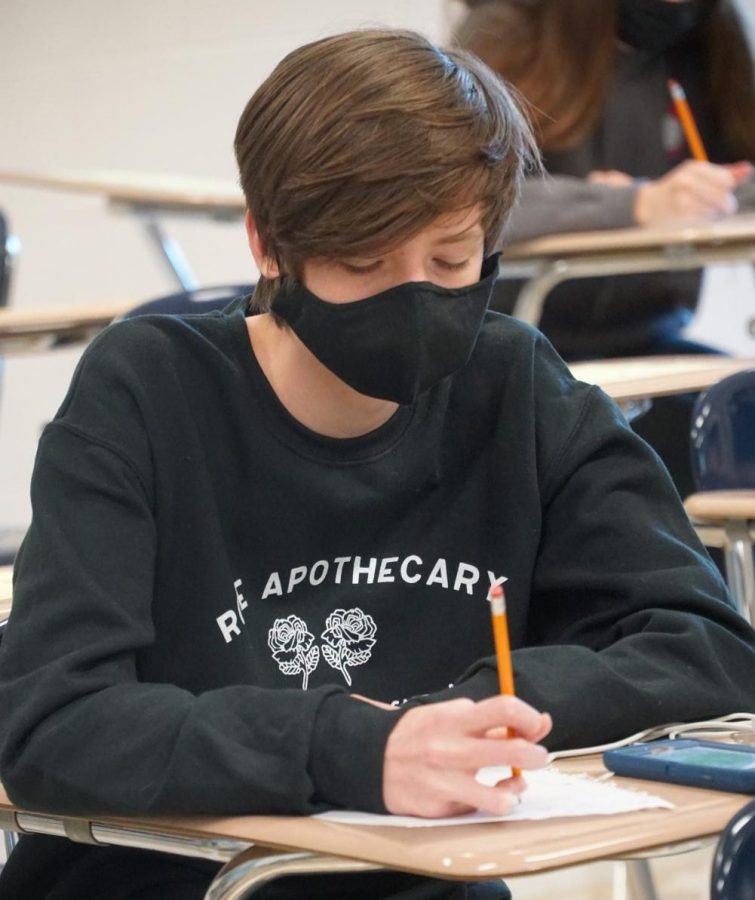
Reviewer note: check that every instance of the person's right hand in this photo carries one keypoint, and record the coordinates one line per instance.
(434, 751)
(692, 190)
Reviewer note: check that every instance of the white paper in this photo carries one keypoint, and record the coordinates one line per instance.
(550, 794)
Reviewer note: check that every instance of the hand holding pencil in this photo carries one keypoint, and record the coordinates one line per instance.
(695, 190)
(434, 751)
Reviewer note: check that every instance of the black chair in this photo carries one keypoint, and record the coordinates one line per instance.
(196, 301)
(723, 467)
(9, 249)
(733, 872)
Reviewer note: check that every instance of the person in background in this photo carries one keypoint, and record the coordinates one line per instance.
(595, 78)
(263, 539)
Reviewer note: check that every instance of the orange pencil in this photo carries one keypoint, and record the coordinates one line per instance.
(502, 650)
(688, 122)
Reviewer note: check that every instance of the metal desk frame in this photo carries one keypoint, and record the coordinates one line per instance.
(549, 261)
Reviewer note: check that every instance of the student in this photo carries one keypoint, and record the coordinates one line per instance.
(256, 576)
(595, 75)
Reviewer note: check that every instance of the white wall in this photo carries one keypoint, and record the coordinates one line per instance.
(148, 85)
(157, 86)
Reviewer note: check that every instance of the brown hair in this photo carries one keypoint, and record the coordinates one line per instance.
(358, 141)
(560, 54)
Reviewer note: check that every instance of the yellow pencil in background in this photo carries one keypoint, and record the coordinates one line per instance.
(689, 127)
(497, 600)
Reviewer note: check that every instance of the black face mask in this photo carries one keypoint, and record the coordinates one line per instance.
(396, 344)
(657, 25)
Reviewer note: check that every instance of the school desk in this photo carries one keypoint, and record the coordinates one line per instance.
(257, 849)
(639, 378)
(726, 519)
(148, 196)
(25, 330)
(547, 261)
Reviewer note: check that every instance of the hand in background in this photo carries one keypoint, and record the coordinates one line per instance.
(434, 752)
(611, 177)
(692, 190)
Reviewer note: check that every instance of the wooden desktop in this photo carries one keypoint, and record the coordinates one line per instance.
(283, 845)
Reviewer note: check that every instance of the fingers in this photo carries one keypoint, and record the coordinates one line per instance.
(611, 177)
(514, 785)
(497, 800)
(476, 753)
(459, 793)
(741, 171)
(692, 190)
(697, 170)
(433, 754)
(705, 188)
(506, 711)
(546, 726)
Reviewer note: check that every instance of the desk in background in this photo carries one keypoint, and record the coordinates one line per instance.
(639, 378)
(260, 848)
(633, 378)
(148, 197)
(42, 327)
(547, 261)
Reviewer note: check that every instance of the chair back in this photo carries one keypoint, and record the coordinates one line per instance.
(9, 247)
(723, 435)
(733, 872)
(196, 301)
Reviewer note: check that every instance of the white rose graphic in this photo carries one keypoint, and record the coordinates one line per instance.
(349, 637)
(292, 648)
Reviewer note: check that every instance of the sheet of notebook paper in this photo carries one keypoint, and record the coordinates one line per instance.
(550, 794)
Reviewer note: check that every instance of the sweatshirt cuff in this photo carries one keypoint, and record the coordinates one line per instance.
(347, 753)
(620, 205)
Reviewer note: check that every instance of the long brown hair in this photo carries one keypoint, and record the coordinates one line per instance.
(357, 141)
(560, 55)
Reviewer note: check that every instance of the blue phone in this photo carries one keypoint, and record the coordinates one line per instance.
(706, 764)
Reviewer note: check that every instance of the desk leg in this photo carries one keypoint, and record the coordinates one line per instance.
(633, 409)
(10, 839)
(740, 572)
(241, 877)
(640, 880)
(529, 304)
(169, 250)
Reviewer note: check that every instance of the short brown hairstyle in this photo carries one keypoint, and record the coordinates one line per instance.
(358, 141)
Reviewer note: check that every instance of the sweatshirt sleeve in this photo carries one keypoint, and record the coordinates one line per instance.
(629, 623)
(558, 204)
(82, 733)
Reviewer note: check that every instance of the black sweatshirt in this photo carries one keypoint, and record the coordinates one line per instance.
(205, 580)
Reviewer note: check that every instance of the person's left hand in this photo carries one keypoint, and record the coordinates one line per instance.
(611, 177)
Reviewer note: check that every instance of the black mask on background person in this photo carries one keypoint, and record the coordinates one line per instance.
(395, 344)
(657, 25)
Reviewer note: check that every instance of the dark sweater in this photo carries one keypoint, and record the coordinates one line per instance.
(196, 558)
